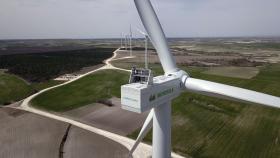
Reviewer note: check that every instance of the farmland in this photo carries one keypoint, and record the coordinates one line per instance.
(239, 72)
(202, 126)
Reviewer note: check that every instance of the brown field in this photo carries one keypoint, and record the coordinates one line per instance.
(195, 59)
(113, 119)
(24, 134)
(84, 144)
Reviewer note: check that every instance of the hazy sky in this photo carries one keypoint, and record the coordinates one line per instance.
(109, 18)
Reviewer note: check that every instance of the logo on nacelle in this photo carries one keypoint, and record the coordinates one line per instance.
(160, 94)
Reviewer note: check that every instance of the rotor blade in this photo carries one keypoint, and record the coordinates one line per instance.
(145, 129)
(229, 92)
(154, 29)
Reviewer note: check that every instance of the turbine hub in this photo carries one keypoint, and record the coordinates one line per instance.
(183, 75)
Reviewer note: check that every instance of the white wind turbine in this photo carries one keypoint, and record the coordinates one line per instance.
(130, 40)
(125, 41)
(156, 97)
(121, 40)
(146, 47)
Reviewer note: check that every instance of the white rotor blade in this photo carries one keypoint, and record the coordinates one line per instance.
(145, 129)
(156, 34)
(229, 92)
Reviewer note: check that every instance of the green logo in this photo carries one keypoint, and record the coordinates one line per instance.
(166, 92)
(161, 94)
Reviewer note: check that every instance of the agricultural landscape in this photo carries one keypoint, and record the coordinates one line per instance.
(202, 126)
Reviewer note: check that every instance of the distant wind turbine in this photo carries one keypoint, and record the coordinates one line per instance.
(146, 47)
(130, 40)
(126, 42)
(121, 40)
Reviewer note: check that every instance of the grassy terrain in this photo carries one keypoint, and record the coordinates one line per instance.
(44, 85)
(100, 85)
(13, 88)
(202, 126)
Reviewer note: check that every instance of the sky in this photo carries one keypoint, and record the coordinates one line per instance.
(49, 19)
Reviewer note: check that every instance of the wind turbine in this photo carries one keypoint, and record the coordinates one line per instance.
(130, 40)
(146, 47)
(128, 43)
(121, 40)
(125, 41)
(156, 97)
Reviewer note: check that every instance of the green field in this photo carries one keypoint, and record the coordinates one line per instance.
(43, 85)
(202, 126)
(13, 88)
(100, 85)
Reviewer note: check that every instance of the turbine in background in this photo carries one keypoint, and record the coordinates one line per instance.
(121, 40)
(146, 47)
(130, 40)
(125, 42)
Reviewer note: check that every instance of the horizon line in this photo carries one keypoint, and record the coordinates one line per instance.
(194, 37)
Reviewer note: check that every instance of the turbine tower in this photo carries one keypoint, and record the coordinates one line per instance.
(156, 96)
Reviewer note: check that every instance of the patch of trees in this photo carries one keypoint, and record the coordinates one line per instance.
(38, 67)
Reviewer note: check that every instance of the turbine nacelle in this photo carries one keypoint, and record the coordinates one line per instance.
(142, 96)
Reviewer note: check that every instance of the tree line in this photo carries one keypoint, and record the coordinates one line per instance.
(38, 67)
